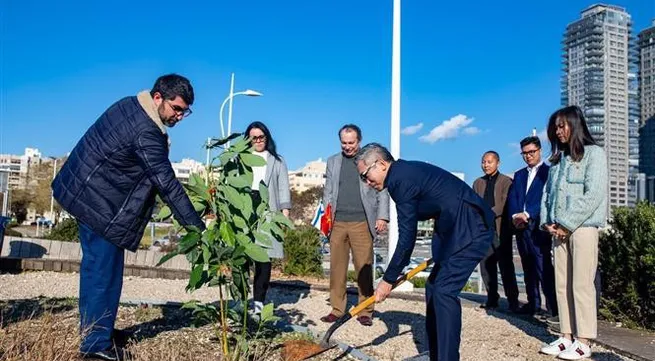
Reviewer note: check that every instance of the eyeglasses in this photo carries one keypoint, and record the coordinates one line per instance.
(258, 138)
(364, 176)
(530, 152)
(184, 112)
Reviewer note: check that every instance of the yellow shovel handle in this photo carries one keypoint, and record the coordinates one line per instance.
(371, 300)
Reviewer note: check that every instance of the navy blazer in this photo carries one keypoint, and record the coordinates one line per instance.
(518, 200)
(423, 191)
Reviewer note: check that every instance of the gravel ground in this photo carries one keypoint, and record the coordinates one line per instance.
(398, 331)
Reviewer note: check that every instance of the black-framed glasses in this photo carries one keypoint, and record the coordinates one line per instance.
(184, 112)
(258, 138)
(364, 175)
(530, 152)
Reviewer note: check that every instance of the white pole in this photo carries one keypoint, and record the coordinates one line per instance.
(229, 110)
(52, 197)
(395, 120)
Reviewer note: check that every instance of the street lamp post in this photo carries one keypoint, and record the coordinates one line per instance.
(230, 97)
(395, 121)
(52, 197)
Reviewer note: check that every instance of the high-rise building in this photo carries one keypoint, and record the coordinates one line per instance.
(596, 78)
(646, 46)
(18, 166)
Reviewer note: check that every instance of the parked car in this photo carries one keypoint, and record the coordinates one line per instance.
(42, 221)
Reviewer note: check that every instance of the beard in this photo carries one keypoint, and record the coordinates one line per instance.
(168, 121)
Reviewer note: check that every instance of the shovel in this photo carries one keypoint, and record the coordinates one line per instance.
(325, 342)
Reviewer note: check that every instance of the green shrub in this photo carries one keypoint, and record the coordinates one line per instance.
(627, 263)
(66, 231)
(419, 282)
(302, 254)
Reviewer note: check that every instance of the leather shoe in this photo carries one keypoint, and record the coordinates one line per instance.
(526, 310)
(113, 354)
(489, 306)
(329, 318)
(365, 320)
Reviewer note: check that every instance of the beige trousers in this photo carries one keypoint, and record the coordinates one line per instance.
(576, 260)
(347, 236)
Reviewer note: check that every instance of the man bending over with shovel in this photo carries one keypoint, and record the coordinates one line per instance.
(464, 230)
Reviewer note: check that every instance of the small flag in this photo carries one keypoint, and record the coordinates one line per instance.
(326, 221)
(316, 220)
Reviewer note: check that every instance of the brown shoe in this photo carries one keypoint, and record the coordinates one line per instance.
(365, 320)
(329, 318)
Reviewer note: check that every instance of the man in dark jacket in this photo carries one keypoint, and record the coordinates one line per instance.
(493, 188)
(463, 234)
(109, 184)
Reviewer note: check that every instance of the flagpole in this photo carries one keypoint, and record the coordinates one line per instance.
(395, 121)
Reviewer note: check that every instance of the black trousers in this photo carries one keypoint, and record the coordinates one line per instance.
(500, 256)
(262, 280)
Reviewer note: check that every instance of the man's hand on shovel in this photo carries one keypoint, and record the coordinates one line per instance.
(383, 290)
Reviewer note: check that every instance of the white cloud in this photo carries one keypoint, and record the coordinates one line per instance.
(412, 129)
(450, 129)
(471, 130)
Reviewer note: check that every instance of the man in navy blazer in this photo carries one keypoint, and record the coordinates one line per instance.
(464, 230)
(534, 245)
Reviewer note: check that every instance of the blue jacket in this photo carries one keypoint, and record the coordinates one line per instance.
(519, 200)
(423, 191)
(576, 193)
(113, 174)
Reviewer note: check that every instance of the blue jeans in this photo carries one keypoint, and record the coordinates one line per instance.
(101, 281)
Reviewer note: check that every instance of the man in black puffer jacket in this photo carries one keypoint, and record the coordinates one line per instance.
(109, 184)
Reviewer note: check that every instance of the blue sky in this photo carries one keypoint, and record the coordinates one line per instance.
(319, 65)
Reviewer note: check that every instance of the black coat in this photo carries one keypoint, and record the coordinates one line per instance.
(113, 174)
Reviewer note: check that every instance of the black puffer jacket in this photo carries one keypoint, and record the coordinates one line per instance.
(111, 177)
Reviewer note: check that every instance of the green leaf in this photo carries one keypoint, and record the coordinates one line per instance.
(227, 234)
(205, 253)
(188, 241)
(256, 253)
(164, 213)
(167, 257)
(246, 210)
(277, 230)
(263, 192)
(226, 157)
(267, 314)
(218, 142)
(239, 222)
(233, 196)
(238, 181)
(243, 239)
(193, 256)
(199, 206)
(252, 160)
(265, 239)
(280, 218)
(195, 277)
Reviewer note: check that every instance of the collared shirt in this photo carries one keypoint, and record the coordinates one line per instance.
(532, 173)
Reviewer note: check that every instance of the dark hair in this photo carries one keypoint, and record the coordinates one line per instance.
(270, 143)
(351, 127)
(531, 140)
(580, 135)
(492, 152)
(173, 85)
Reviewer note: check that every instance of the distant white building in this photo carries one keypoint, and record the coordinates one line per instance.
(309, 176)
(185, 168)
(18, 166)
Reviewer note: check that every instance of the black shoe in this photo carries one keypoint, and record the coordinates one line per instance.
(489, 306)
(513, 307)
(113, 354)
(551, 321)
(526, 309)
(121, 337)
